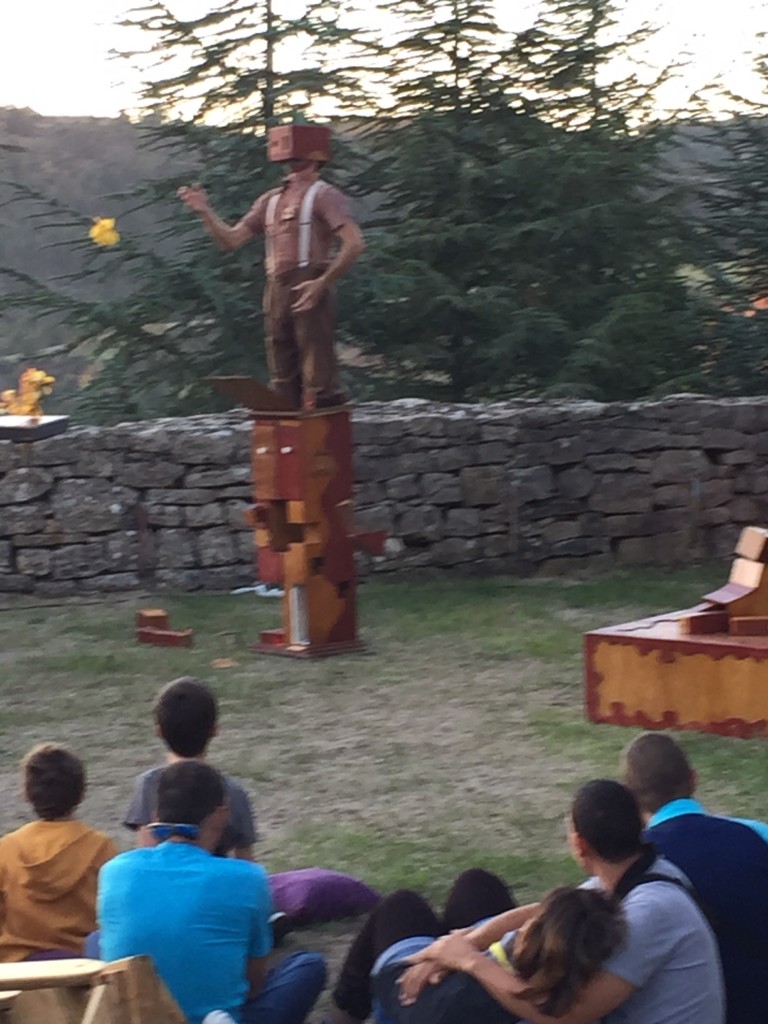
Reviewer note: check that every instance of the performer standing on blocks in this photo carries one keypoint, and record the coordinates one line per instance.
(301, 220)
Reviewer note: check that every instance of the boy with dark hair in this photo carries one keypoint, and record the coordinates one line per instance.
(186, 713)
(49, 867)
(204, 920)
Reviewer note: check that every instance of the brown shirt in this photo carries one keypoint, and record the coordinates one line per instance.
(330, 211)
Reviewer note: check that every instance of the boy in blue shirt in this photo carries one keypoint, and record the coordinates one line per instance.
(204, 920)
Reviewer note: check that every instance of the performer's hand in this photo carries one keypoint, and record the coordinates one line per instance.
(195, 198)
(308, 294)
(413, 981)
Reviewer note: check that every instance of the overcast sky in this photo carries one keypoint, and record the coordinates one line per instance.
(54, 54)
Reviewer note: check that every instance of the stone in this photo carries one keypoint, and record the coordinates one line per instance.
(234, 515)
(175, 549)
(22, 519)
(674, 467)
(622, 492)
(216, 547)
(716, 492)
(16, 584)
(204, 515)
(719, 439)
(463, 522)
(55, 451)
(401, 487)
(150, 474)
(165, 515)
(663, 549)
(441, 489)
(740, 458)
(566, 530)
(92, 506)
(495, 546)
(95, 463)
(178, 496)
(421, 525)
(746, 510)
(218, 477)
(25, 484)
(9, 456)
(217, 447)
(534, 483)
(6, 556)
(455, 549)
(122, 550)
(576, 482)
(672, 495)
(112, 582)
(495, 518)
(566, 451)
(492, 452)
(482, 485)
(76, 561)
(34, 561)
(620, 461)
(455, 457)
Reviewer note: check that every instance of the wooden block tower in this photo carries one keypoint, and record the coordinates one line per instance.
(303, 521)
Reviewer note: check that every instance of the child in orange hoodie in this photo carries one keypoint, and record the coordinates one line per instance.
(49, 867)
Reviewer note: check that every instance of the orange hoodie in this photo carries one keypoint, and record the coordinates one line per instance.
(48, 872)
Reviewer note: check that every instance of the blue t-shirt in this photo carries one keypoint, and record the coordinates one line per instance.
(198, 917)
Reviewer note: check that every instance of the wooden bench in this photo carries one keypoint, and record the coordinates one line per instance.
(86, 992)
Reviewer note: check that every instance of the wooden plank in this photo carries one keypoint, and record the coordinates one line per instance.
(49, 973)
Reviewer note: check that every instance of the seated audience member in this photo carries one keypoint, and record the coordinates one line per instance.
(49, 867)
(553, 955)
(666, 971)
(186, 714)
(204, 920)
(726, 860)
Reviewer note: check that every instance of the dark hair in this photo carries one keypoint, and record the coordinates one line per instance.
(188, 791)
(54, 780)
(566, 943)
(656, 770)
(605, 814)
(185, 712)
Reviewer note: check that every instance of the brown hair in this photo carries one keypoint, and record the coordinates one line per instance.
(657, 770)
(565, 945)
(54, 780)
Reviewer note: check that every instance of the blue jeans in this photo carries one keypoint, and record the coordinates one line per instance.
(290, 991)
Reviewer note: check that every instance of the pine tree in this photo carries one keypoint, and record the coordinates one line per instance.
(734, 236)
(528, 241)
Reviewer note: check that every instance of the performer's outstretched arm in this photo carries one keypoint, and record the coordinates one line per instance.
(227, 236)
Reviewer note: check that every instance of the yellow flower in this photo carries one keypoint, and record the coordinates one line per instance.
(104, 232)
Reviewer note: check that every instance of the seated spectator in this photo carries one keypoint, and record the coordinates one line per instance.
(49, 867)
(726, 860)
(554, 955)
(186, 715)
(204, 920)
(666, 972)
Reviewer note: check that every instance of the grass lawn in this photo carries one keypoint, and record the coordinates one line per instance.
(456, 741)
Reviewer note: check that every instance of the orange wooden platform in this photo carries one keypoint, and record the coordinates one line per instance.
(653, 675)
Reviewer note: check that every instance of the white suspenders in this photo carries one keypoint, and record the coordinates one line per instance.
(305, 225)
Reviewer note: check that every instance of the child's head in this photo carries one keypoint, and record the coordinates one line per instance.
(185, 713)
(54, 781)
(560, 949)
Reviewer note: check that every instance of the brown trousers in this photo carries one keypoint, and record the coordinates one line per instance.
(300, 346)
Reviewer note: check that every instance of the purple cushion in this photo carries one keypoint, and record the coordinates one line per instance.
(315, 894)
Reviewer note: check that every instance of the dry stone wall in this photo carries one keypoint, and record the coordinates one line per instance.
(523, 486)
